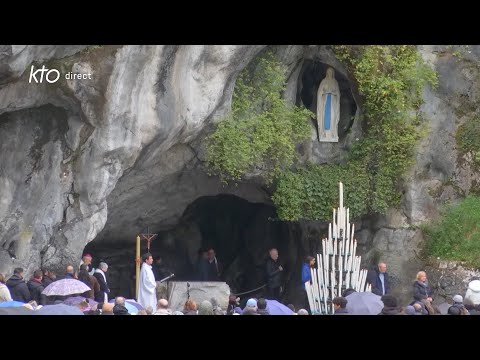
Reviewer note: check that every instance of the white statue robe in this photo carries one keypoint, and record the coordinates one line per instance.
(147, 295)
(328, 108)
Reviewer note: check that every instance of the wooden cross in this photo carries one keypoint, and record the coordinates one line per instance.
(149, 237)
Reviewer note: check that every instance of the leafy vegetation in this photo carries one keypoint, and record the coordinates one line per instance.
(262, 130)
(468, 138)
(390, 80)
(456, 235)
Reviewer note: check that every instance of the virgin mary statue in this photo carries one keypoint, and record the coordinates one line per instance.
(328, 108)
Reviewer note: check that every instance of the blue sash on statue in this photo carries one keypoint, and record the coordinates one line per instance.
(328, 112)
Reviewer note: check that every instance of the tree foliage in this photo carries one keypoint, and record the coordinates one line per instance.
(262, 131)
(390, 80)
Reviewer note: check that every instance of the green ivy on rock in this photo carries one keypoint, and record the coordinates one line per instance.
(262, 131)
(390, 81)
(468, 138)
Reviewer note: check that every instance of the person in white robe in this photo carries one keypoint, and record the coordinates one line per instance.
(147, 295)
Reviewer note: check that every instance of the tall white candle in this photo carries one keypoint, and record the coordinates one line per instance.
(335, 222)
(348, 218)
(340, 189)
(340, 275)
(352, 237)
(339, 224)
(348, 250)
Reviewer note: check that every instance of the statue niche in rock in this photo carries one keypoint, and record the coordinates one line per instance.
(328, 108)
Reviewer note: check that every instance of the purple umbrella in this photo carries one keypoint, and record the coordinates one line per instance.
(276, 308)
(364, 303)
(75, 300)
(65, 287)
(59, 309)
(131, 302)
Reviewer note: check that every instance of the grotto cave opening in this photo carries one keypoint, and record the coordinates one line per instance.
(240, 231)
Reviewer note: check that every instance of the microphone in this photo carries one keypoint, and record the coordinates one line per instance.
(168, 277)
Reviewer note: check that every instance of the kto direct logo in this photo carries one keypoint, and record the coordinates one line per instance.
(51, 78)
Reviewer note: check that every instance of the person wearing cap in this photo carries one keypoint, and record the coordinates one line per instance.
(250, 308)
(205, 308)
(87, 260)
(458, 304)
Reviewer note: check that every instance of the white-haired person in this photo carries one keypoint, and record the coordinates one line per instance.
(422, 292)
(100, 275)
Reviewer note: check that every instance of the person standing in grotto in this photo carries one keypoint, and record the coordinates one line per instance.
(147, 295)
(273, 272)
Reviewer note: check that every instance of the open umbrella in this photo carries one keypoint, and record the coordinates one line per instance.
(132, 306)
(364, 303)
(277, 308)
(65, 287)
(59, 309)
(19, 310)
(134, 303)
(12, 303)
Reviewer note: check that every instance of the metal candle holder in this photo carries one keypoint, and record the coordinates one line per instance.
(338, 265)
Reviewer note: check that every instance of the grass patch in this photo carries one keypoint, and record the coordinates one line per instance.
(456, 235)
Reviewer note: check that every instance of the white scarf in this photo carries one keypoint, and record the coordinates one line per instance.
(99, 271)
(105, 298)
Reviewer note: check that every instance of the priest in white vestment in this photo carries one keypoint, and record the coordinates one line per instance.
(147, 295)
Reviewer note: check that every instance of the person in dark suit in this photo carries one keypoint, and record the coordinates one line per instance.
(379, 280)
(35, 286)
(201, 266)
(100, 275)
(214, 268)
(273, 271)
(18, 288)
(48, 277)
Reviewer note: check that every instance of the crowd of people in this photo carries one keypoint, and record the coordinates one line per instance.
(422, 294)
(208, 268)
(17, 289)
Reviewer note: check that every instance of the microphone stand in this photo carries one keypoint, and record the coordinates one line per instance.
(168, 277)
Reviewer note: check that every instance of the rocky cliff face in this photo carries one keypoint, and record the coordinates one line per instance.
(102, 158)
(441, 172)
(66, 145)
